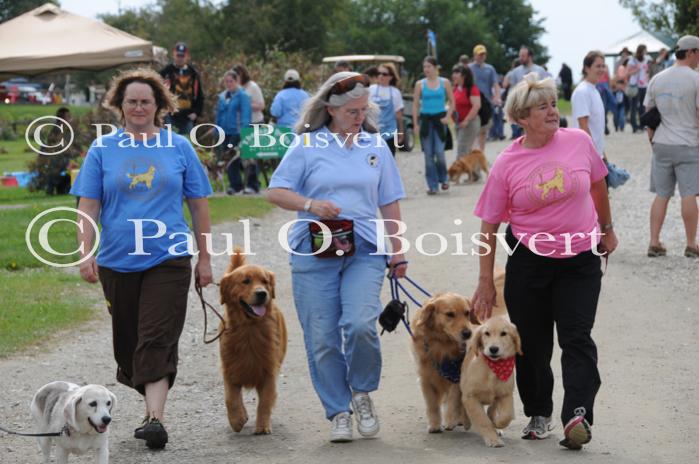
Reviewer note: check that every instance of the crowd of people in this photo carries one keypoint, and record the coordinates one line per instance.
(549, 179)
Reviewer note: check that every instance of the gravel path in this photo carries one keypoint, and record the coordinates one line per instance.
(647, 410)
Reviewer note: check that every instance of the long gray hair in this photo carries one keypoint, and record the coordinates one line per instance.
(315, 114)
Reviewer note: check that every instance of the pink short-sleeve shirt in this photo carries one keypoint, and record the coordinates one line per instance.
(546, 191)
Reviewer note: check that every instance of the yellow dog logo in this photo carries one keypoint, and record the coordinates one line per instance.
(555, 183)
(144, 177)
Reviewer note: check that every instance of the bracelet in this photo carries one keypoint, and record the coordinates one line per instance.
(307, 205)
(605, 227)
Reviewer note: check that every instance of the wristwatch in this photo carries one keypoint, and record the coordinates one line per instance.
(605, 227)
(307, 205)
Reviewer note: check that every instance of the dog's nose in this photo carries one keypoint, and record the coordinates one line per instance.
(260, 295)
(466, 334)
(494, 350)
(106, 420)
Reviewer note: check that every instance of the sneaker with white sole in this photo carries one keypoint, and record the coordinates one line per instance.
(367, 420)
(539, 427)
(577, 431)
(341, 428)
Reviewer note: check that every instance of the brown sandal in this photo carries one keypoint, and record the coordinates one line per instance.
(692, 252)
(655, 251)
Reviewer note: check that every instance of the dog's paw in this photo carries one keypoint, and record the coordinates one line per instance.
(495, 442)
(238, 422)
(263, 430)
(467, 424)
(434, 429)
(450, 427)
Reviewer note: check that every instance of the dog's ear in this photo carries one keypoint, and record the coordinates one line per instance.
(272, 283)
(112, 397)
(70, 410)
(225, 288)
(517, 340)
(426, 313)
(476, 341)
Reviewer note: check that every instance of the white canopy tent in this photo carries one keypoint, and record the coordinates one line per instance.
(651, 41)
(49, 39)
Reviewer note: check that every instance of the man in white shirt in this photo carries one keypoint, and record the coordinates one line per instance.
(675, 93)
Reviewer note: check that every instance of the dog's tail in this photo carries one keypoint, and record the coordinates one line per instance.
(237, 259)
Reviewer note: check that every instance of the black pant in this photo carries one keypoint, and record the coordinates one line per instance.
(391, 142)
(249, 168)
(541, 291)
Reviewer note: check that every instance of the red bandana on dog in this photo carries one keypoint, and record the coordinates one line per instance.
(502, 368)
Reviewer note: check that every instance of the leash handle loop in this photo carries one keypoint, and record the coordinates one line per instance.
(204, 305)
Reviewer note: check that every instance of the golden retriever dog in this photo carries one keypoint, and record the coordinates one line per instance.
(488, 377)
(442, 328)
(253, 344)
(144, 177)
(82, 413)
(468, 165)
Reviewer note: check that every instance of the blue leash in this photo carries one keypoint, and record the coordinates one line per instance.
(396, 287)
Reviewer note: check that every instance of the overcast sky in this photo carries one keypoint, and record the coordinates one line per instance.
(572, 27)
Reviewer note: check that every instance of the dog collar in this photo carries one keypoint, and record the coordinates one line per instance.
(502, 368)
(65, 430)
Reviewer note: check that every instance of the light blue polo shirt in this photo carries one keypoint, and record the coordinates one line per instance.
(141, 181)
(485, 77)
(358, 179)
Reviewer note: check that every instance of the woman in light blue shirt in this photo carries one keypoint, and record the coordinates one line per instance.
(287, 104)
(430, 119)
(343, 174)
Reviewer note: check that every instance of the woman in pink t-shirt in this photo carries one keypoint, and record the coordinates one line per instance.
(549, 186)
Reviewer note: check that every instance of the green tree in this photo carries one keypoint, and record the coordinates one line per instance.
(513, 23)
(13, 8)
(674, 18)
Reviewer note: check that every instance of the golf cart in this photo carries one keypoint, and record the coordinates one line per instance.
(360, 63)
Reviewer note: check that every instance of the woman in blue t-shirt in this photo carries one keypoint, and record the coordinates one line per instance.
(133, 181)
(430, 119)
(342, 174)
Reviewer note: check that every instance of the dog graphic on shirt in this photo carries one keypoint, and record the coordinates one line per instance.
(554, 183)
(144, 177)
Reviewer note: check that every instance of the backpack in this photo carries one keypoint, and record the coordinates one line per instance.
(486, 110)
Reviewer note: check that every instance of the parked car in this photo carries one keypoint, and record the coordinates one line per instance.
(361, 62)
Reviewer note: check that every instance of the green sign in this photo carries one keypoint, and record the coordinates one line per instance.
(264, 141)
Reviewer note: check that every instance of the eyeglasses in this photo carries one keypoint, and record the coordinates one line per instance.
(145, 104)
(385, 74)
(348, 84)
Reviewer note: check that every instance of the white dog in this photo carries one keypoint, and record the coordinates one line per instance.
(83, 413)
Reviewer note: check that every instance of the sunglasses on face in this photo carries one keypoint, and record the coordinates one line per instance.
(348, 84)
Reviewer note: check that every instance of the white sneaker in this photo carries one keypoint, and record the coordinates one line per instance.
(367, 420)
(341, 428)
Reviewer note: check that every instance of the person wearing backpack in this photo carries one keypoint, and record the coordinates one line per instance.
(468, 102)
(487, 81)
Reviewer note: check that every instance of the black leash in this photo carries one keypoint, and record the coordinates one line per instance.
(396, 306)
(204, 305)
(64, 431)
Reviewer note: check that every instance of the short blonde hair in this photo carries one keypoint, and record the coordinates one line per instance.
(164, 99)
(528, 93)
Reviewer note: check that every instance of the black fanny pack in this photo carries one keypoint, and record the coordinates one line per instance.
(341, 238)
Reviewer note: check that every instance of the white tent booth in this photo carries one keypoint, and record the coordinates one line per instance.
(49, 39)
(653, 43)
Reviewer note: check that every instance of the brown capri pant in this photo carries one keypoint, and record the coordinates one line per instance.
(148, 311)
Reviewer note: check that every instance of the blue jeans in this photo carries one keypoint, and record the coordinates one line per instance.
(182, 126)
(498, 130)
(619, 113)
(435, 163)
(337, 302)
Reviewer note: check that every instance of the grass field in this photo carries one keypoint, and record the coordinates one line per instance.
(37, 303)
(15, 113)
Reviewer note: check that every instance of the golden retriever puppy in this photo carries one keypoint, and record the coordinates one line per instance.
(253, 344)
(488, 377)
(441, 330)
(468, 165)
